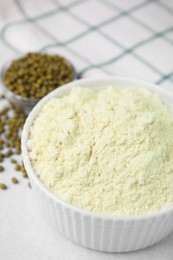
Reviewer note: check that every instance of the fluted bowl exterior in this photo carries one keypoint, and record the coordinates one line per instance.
(98, 231)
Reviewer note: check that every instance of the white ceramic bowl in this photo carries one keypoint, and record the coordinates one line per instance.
(100, 232)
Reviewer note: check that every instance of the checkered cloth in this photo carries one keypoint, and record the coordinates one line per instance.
(131, 38)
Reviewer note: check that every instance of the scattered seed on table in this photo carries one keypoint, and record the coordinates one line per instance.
(3, 186)
(8, 153)
(1, 168)
(25, 175)
(17, 167)
(12, 120)
(18, 150)
(1, 157)
(13, 161)
(22, 168)
(1, 144)
(14, 180)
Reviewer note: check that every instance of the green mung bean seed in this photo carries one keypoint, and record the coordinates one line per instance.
(14, 180)
(36, 74)
(1, 168)
(3, 186)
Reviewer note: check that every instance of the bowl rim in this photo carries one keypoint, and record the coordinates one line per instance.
(27, 162)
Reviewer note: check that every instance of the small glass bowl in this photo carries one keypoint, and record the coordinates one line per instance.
(26, 104)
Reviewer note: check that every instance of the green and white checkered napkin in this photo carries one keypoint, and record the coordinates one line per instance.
(131, 38)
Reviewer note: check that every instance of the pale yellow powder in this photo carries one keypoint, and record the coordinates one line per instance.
(108, 152)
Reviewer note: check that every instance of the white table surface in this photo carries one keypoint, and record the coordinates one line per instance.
(124, 41)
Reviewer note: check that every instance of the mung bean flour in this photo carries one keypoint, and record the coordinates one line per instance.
(108, 152)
